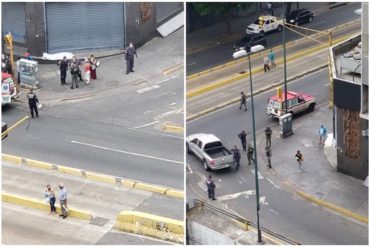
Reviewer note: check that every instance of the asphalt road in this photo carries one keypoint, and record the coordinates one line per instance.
(281, 211)
(117, 132)
(203, 60)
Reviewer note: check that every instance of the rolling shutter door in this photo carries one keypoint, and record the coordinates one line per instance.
(84, 26)
(14, 20)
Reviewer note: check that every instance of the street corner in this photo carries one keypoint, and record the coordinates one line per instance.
(174, 128)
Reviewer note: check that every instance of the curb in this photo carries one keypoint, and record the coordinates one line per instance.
(31, 203)
(173, 128)
(97, 177)
(151, 225)
(259, 91)
(201, 73)
(172, 69)
(237, 77)
(340, 210)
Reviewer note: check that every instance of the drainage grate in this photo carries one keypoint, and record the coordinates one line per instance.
(99, 221)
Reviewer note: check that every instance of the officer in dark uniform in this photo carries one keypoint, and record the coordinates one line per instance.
(250, 153)
(268, 133)
(243, 101)
(63, 67)
(76, 63)
(32, 102)
(243, 139)
(236, 154)
(211, 188)
(130, 52)
(74, 73)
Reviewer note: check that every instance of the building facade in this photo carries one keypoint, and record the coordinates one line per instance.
(79, 26)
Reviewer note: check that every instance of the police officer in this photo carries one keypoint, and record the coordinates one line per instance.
(32, 102)
(130, 52)
(211, 188)
(74, 73)
(76, 63)
(268, 155)
(268, 133)
(250, 153)
(243, 101)
(236, 154)
(63, 67)
(243, 139)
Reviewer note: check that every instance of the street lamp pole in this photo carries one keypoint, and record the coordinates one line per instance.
(255, 154)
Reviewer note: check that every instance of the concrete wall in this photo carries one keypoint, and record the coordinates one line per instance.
(35, 28)
(202, 235)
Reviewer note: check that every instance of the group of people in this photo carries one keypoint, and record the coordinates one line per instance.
(269, 61)
(62, 196)
(90, 66)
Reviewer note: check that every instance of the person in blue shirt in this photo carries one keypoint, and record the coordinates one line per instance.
(272, 58)
(322, 133)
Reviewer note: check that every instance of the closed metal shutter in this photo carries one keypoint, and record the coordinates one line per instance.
(14, 20)
(84, 26)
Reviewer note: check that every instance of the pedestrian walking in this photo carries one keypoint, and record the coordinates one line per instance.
(87, 68)
(76, 63)
(32, 102)
(50, 195)
(63, 67)
(269, 8)
(268, 133)
(268, 155)
(63, 200)
(243, 139)
(299, 158)
(250, 153)
(322, 133)
(130, 52)
(211, 188)
(271, 57)
(266, 62)
(243, 101)
(236, 154)
(94, 65)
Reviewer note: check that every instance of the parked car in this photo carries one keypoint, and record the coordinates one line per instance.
(209, 149)
(265, 24)
(297, 102)
(300, 16)
(8, 88)
(250, 40)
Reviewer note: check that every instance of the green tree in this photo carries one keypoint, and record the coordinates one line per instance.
(225, 9)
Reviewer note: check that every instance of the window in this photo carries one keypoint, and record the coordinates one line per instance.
(292, 102)
(300, 99)
(200, 144)
(195, 141)
(267, 22)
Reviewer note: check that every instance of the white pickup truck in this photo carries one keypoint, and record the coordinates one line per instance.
(209, 149)
(265, 24)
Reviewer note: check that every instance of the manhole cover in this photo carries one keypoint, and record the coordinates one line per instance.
(99, 221)
(111, 83)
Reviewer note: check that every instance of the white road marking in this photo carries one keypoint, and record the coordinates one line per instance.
(326, 85)
(236, 195)
(130, 153)
(242, 179)
(189, 169)
(277, 186)
(144, 125)
(146, 89)
(159, 82)
(259, 174)
(263, 200)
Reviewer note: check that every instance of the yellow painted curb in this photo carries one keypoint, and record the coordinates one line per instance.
(39, 164)
(173, 128)
(31, 203)
(334, 207)
(70, 170)
(175, 193)
(100, 177)
(151, 188)
(12, 158)
(238, 77)
(151, 225)
(128, 183)
(172, 69)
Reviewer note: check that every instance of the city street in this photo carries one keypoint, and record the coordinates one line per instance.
(281, 211)
(324, 19)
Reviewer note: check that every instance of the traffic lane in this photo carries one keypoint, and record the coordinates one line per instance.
(221, 54)
(20, 225)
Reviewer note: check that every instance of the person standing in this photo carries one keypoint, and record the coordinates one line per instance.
(130, 52)
(32, 102)
(76, 63)
(93, 63)
(269, 8)
(63, 201)
(322, 133)
(50, 194)
(243, 101)
(243, 139)
(271, 57)
(268, 133)
(250, 153)
(266, 62)
(236, 154)
(74, 74)
(87, 68)
(63, 67)
(211, 188)
(299, 158)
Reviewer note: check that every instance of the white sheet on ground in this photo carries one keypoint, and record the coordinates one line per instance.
(57, 56)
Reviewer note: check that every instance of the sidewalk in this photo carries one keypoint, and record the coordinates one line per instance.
(319, 182)
(205, 38)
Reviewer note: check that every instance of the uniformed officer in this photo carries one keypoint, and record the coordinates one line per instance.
(211, 188)
(130, 52)
(76, 63)
(250, 153)
(243, 101)
(268, 133)
(236, 154)
(63, 67)
(32, 102)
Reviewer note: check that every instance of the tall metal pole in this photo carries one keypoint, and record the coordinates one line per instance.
(285, 86)
(255, 154)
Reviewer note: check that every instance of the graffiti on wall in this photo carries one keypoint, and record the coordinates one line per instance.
(146, 12)
(352, 134)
